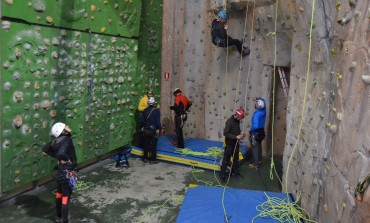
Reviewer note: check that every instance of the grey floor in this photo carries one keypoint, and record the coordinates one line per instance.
(146, 193)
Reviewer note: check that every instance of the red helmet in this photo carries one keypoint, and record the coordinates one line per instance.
(240, 113)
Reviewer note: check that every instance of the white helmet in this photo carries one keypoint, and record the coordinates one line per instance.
(57, 129)
(151, 101)
(260, 104)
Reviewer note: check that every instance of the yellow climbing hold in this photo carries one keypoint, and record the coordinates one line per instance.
(339, 76)
(49, 19)
(106, 1)
(337, 5)
(102, 29)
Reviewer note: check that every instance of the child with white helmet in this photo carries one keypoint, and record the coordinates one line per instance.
(63, 150)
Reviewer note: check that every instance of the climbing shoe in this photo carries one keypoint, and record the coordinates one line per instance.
(246, 51)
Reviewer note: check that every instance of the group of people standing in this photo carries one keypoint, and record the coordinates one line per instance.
(62, 148)
(150, 124)
(233, 134)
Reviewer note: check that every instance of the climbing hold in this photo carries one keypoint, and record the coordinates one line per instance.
(333, 51)
(9, 2)
(300, 9)
(102, 29)
(93, 8)
(333, 128)
(346, 18)
(325, 207)
(53, 113)
(352, 3)
(6, 25)
(49, 19)
(366, 79)
(352, 67)
(18, 96)
(337, 5)
(18, 121)
(339, 76)
(339, 116)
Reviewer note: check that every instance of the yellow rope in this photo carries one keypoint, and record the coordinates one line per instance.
(282, 210)
(81, 185)
(272, 164)
(194, 171)
(176, 199)
(305, 95)
(215, 152)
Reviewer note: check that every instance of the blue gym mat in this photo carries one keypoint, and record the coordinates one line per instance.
(203, 204)
(166, 152)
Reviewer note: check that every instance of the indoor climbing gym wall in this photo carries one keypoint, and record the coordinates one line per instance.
(74, 62)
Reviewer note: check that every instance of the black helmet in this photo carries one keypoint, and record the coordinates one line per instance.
(176, 91)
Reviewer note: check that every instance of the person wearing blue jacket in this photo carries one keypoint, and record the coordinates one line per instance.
(150, 124)
(257, 131)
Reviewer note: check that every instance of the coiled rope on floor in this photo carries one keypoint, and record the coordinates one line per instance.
(282, 210)
(177, 200)
(215, 152)
(82, 185)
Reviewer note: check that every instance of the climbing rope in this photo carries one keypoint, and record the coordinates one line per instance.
(282, 210)
(212, 151)
(361, 187)
(195, 171)
(272, 164)
(177, 200)
(305, 96)
(81, 185)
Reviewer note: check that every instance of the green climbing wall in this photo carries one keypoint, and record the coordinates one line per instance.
(87, 67)
(116, 17)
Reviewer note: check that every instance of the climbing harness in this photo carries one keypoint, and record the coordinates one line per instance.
(71, 176)
(361, 187)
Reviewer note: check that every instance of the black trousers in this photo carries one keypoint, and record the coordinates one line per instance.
(233, 42)
(178, 131)
(228, 153)
(150, 146)
(63, 195)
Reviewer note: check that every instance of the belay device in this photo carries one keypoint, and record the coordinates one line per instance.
(122, 156)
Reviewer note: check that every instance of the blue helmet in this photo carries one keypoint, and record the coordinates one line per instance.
(222, 14)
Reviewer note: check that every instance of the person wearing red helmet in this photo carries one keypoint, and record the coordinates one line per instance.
(233, 135)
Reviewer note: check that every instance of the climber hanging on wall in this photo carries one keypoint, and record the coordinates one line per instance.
(220, 37)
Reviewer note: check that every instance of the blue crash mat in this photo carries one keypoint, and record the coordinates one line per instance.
(203, 204)
(166, 151)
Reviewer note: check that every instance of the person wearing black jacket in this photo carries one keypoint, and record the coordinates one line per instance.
(220, 37)
(151, 127)
(233, 135)
(63, 150)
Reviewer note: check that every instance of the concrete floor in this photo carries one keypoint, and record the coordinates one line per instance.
(141, 193)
